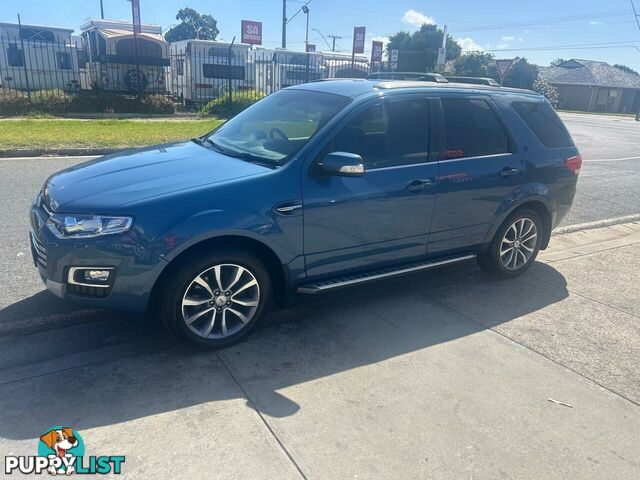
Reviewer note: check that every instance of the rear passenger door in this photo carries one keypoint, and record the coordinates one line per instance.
(479, 167)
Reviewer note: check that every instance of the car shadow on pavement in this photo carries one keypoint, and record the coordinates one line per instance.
(120, 368)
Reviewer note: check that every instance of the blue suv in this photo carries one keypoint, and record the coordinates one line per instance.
(316, 187)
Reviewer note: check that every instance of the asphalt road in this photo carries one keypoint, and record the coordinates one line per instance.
(357, 383)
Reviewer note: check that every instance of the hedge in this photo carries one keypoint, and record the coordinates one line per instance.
(57, 101)
(221, 107)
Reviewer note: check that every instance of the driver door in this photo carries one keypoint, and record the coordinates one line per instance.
(383, 216)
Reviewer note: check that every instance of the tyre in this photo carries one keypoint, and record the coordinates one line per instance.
(515, 245)
(214, 301)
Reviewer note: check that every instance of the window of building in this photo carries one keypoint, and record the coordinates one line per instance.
(15, 56)
(180, 66)
(472, 129)
(233, 72)
(544, 123)
(64, 60)
(146, 48)
(36, 35)
(390, 134)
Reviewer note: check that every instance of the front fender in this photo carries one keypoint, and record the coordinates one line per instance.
(532, 192)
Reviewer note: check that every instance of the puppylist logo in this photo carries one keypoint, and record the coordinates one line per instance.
(61, 452)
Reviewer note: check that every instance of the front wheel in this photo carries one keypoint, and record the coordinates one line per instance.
(216, 301)
(515, 245)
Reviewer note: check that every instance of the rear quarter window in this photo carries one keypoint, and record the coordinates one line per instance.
(544, 122)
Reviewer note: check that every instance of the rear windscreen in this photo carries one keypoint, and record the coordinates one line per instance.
(544, 122)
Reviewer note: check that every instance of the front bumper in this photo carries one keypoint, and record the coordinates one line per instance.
(136, 267)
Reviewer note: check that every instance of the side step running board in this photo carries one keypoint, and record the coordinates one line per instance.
(358, 278)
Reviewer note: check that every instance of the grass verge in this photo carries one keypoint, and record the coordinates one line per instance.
(53, 134)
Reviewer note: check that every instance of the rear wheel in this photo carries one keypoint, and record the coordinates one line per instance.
(215, 301)
(515, 245)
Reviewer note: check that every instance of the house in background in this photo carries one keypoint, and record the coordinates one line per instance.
(593, 86)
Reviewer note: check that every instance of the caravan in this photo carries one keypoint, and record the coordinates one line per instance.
(34, 57)
(205, 69)
(344, 65)
(118, 63)
(280, 68)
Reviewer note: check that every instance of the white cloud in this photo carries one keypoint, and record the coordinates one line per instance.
(469, 45)
(595, 22)
(502, 46)
(413, 17)
(511, 38)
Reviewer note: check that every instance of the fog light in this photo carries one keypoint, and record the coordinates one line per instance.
(96, 275)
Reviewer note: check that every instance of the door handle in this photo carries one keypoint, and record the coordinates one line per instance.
(287, 208)
(418, 185)
(509, 172)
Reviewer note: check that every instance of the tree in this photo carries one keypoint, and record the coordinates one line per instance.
(418, 51)
(193, 26)
(476, 64)
(624, 68)
(543, 88)
(521, 75)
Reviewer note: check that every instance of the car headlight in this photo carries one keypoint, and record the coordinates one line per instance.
(86, 226)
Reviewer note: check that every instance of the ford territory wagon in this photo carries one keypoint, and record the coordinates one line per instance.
(316, 187)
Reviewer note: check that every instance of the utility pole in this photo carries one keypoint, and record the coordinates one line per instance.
(305, 9)
(333, 37)
(101, 10)
(637, 17)
(284, 23)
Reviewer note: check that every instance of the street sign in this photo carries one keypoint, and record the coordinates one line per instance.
(251, 32)
(358, 39)
(376, 51)
(394, 55)
(135, 15)
(504, 66)
(311, 47)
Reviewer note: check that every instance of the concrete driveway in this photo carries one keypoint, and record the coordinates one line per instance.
(449, 375)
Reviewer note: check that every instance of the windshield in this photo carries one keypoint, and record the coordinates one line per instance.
(277, 127)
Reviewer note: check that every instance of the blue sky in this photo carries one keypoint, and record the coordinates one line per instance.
(508, 28)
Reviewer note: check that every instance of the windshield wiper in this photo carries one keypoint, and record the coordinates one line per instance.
(250, 157)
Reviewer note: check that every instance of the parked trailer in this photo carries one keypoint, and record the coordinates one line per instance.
(35, 57)
(343, 65)
(205, 69)
(280, 68)
(120, 64)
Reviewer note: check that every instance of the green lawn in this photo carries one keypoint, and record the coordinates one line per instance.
(59, 134)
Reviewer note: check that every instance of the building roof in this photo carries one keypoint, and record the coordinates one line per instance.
(589, 72)
(40, 27)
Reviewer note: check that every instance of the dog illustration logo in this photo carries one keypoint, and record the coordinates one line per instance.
(61, 443)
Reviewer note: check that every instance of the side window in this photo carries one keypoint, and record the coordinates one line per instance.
(387, 135)
(472, 129)
(544, 122)
(15, 57)
(64, 60)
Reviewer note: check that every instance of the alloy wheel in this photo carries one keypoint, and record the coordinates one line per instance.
(518, 244)
(220, 301)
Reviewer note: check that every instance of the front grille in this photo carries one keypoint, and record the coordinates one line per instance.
(39, 251)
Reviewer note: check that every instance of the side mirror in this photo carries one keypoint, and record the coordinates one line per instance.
(343, 164)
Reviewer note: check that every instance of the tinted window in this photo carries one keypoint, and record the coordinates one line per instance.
(394, 133)
(210, 70)
(544, 122)
(472, 129)
(64, 60)
(15, 57)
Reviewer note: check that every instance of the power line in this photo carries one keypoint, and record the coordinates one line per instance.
(635, 14)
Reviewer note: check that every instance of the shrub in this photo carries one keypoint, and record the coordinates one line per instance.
(546, 89)
(12, 102)
(221, 107)
(57, 101)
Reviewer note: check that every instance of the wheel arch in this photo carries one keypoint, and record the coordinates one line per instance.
(540, 205)
(277, 271)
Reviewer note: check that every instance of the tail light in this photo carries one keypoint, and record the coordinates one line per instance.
(573, 164)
